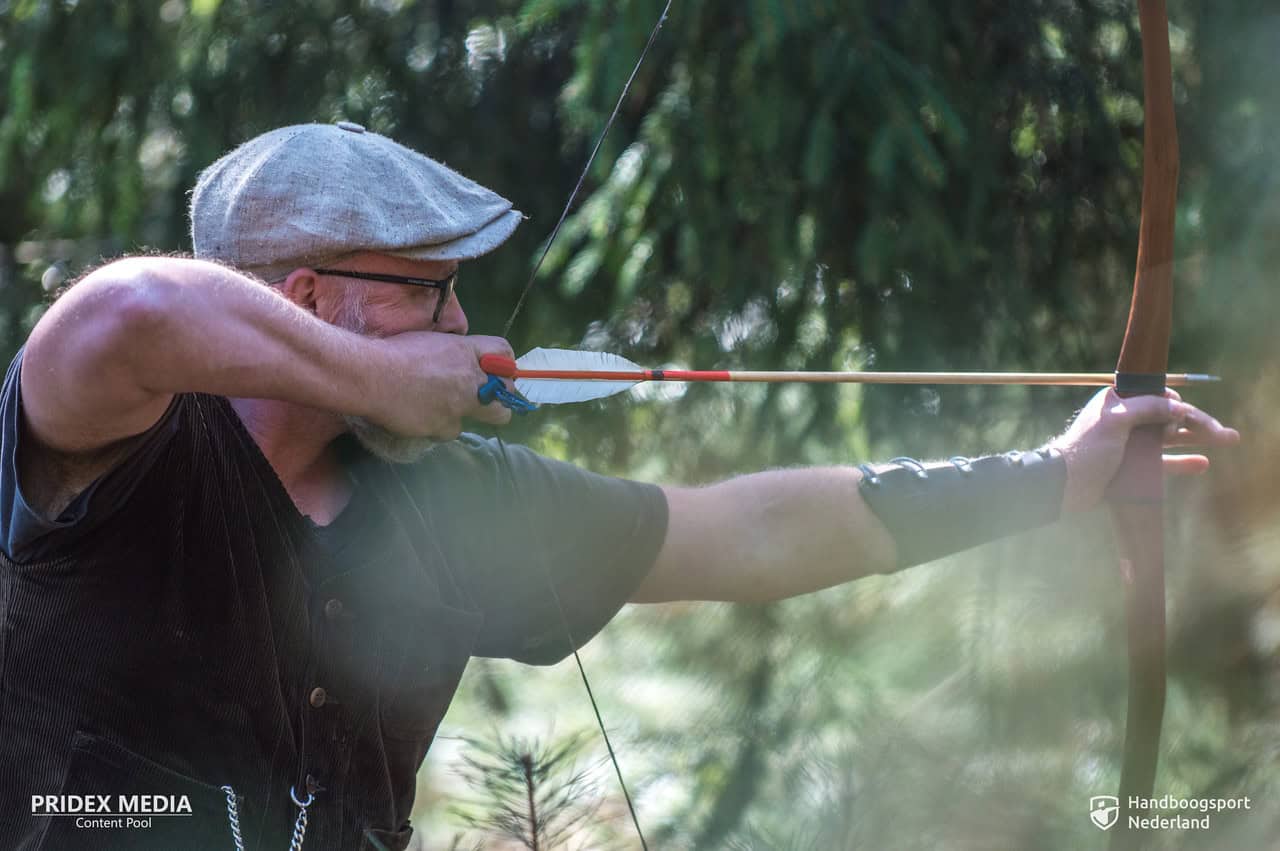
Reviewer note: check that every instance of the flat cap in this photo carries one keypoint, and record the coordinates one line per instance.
(308, 194)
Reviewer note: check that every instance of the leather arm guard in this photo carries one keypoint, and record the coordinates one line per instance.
(934, 511)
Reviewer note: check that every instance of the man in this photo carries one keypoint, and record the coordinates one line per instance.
(247, 554)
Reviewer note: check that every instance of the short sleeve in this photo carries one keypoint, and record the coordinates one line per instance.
(516, 526)
(25, 533)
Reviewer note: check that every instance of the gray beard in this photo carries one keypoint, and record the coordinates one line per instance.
(376, 440)
(385, 444)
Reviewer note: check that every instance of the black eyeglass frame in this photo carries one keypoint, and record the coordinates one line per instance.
(445, 285)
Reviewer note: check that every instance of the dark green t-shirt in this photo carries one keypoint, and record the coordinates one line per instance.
(505, 536)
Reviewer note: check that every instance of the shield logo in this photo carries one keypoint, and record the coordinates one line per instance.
(1104, 811)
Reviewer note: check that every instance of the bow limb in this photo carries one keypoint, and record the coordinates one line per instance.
(1137, 494)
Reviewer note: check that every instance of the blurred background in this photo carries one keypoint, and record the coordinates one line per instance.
(879, 184)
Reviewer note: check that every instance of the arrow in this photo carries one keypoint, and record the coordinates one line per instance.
(561, 376)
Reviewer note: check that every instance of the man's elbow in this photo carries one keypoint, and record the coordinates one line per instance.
(106, 326)
(132, 295)
(122, 303)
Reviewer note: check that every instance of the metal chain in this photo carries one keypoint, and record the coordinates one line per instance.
(233, 816)
(299, 826)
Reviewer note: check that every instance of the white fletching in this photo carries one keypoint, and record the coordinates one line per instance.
(559, 391)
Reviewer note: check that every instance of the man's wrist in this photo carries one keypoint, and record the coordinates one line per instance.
(934, 510)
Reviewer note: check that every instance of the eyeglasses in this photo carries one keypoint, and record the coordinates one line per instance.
(444, 285)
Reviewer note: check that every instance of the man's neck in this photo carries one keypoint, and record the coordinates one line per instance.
(298, 443)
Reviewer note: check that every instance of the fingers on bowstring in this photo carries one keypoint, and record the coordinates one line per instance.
(494, 413)
(497, 414)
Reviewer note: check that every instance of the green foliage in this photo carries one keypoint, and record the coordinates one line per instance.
(110, 111)
(527, 792)
(803, 184)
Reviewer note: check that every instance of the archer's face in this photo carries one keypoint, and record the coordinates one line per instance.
(381, 309)
(385, 309)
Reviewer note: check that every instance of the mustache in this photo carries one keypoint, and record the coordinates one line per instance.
(382, 443)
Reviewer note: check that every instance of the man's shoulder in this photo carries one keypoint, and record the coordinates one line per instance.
(467, 444)
(472, 464)
(467, 450)
(470, 456)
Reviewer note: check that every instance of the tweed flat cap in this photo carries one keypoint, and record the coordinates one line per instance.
(308, 194)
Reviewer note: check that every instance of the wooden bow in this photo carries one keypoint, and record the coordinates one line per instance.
(1137, 494)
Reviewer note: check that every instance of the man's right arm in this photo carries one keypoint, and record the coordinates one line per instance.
(107, 358)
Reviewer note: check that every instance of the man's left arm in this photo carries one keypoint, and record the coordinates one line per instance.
(766, 536)
(782, 533)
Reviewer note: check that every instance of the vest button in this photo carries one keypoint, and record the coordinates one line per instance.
(318, 697)
(333, 609)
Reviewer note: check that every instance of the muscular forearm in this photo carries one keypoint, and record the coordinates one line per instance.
(767, 536)
(192, 326)
(106, 359)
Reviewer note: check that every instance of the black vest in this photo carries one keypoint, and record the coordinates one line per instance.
(193, 641)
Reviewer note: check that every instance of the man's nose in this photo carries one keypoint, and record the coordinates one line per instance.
(453, 320)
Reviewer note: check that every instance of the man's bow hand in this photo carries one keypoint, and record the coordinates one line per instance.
(1094, 443)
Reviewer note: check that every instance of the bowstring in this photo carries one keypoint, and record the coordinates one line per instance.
(502, 447)
(573, 644)
(573, 196)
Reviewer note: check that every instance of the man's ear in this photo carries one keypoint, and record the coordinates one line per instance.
(300, 288)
